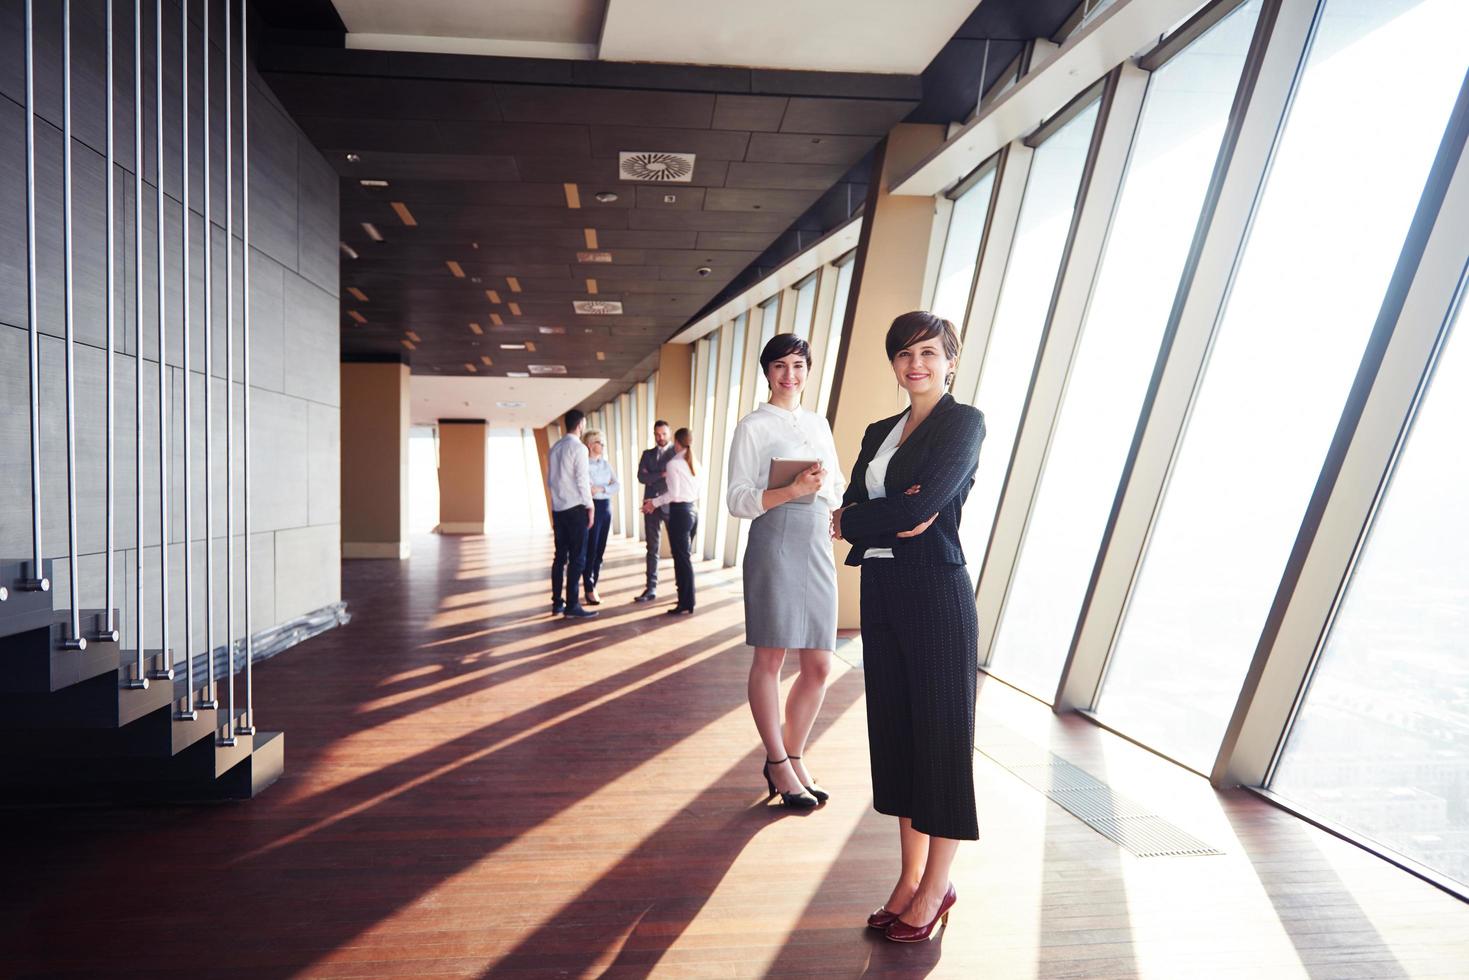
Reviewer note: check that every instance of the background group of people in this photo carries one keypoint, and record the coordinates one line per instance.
(900, 512)
(582, 481)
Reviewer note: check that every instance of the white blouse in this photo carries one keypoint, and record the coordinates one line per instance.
(683, 486)
(768, 433)
(877, 474)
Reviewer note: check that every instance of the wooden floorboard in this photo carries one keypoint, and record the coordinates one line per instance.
(475, 789)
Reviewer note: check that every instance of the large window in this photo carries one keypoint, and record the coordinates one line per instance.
(1381, 743)
(961, 250)
(769, 315)
(1020, 319)
(827, 366)
(704, 446)
(1345, 180)
(805, 307)
(1168, 173)
(716, 507)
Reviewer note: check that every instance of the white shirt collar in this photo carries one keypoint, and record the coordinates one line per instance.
(783, 413)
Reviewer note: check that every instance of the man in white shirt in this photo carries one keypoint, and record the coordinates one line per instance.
(571, 515)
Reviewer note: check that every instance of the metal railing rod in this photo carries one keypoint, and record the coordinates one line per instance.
(74, 640)
(140, 669)
(36, 581)
(106, 627)
(166, 671)
(210, 699)
(187, 713)
(229, 379)
(248, 728)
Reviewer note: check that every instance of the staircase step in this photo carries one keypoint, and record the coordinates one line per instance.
(100, 702)
(33, 661)
(203, 773)
(21, 610)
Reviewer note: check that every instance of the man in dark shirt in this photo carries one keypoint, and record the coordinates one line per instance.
(651, 475)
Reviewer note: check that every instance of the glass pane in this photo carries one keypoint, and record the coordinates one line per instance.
(805, 308)
(827, 367)
(1025, 297)
(731, 417)
(1323, 246)
(1168, 173)
(1381, 743)
(961, 252)
(768, 316)
(704, 444)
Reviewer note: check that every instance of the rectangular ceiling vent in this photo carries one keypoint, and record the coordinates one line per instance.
(658, 168)
(596, 307)
(599, 257)
(547, 368)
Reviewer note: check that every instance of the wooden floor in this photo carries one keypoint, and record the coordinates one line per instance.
(476, 789)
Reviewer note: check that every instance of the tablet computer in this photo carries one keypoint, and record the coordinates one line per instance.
(783, 473)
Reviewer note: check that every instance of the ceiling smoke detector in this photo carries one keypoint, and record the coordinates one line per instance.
(547, 368)
(606, 197)
(677, 168)
(596, 307)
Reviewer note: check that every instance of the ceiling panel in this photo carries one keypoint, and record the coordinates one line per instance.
(498, 171)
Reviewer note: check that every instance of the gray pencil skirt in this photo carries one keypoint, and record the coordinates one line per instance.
(791, 579)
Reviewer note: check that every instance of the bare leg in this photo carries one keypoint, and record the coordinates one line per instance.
(803, 704)
(915, 858)
(764, 695)
(935, 881)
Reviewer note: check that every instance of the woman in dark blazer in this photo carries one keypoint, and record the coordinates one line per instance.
(920, 635)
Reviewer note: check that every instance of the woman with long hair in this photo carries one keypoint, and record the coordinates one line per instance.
(920, 634)
(789, 574)
(685, 477)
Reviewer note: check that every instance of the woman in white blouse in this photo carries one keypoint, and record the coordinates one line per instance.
(685, 477)
(789, 575)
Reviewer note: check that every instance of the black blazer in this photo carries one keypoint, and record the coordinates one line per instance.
(939, 457)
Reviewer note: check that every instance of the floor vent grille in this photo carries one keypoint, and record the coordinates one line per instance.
(1121, 820)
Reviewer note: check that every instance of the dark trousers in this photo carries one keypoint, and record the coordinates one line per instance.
(597, 542)
(920, 660)
(682, 522)
(570, 526)
(653, 533)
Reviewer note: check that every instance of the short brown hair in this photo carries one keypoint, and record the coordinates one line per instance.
(918, 326)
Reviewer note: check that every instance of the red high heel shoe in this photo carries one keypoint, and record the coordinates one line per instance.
(901, 932)
(882, 918)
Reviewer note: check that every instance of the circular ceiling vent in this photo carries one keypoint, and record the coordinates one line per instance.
(658, 167)
(596, 307)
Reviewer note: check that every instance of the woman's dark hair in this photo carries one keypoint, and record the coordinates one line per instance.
(918, 326)
(684, 439)
(783, 345)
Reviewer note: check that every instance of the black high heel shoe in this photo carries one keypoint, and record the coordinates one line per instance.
(794, 801)
(821, 795)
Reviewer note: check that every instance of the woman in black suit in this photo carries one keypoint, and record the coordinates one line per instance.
(920, 635)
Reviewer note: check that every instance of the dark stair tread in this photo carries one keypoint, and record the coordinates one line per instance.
(97, 702)
(34, 660)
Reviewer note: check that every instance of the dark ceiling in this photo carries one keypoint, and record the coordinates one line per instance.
(479, 152)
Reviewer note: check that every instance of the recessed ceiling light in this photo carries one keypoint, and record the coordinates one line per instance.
(513, 283)
(547, 368)
(592, 287)
(516, 374)
(486, 359)
(359, 294)
(348, 250)
(373, 183)
(606, 197)
(404, 215)
(512, 347)
(590, 234)
(455, 269)
(413, 336)
(357, 316)
(530, 345)
(573, 196)
(372, 231)
(510, 404)
(353, 158)
(497, 320)
(601, 355)
(515, 309)
(492, 296)
(471, 368)
(408, 344)
(476, 329)
(551, 329)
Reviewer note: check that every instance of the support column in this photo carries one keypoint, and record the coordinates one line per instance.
(543, 453)
(887, 281)
(375, 405)
(675, 388)
(462, 476)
